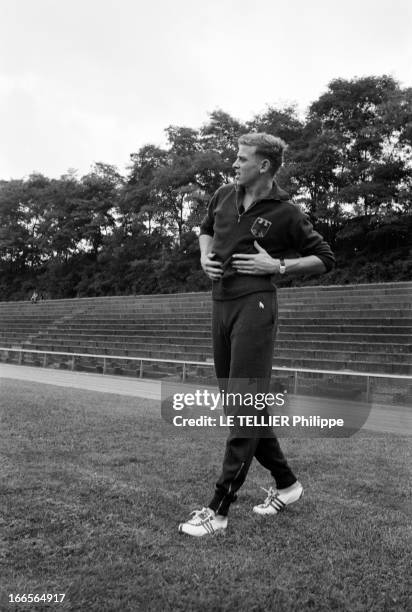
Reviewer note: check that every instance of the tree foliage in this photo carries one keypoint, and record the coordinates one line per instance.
(348, 164)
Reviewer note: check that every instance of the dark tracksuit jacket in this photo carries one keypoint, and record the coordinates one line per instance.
(245, 316)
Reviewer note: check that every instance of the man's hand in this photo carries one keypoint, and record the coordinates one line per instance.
(213, 269)
(259, 263)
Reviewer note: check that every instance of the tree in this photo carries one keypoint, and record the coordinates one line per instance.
(141, 198)
(99, 203)
(219, 143)
(367, 119)
(13, 233)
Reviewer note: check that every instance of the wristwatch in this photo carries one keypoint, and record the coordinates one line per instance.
(282, 266)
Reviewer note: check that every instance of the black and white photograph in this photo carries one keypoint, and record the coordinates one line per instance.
(205, 306)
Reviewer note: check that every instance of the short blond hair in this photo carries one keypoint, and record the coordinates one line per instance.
(267, 146)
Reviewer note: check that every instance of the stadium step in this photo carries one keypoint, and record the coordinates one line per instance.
(351, 327)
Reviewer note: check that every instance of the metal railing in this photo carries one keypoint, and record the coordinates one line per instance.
(185, 363)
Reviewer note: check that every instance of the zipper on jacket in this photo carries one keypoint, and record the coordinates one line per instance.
(240, 214)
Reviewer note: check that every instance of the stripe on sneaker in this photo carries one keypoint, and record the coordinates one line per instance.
(277, 504)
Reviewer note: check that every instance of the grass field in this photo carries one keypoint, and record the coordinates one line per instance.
(93, 488)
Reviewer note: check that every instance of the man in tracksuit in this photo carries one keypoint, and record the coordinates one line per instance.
(250, 234)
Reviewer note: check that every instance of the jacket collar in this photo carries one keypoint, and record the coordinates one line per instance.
(276, 193)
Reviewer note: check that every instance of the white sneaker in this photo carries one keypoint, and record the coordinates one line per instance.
(203, 522)
(277, 500)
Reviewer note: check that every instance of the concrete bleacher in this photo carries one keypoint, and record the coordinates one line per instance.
(359, 328)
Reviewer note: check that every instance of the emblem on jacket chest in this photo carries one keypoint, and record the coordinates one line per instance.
(260, 227)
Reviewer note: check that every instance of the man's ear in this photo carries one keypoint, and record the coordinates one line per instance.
(264, 166)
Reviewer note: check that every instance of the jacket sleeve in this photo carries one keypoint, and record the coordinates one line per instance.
(307, 241)
(206, 226)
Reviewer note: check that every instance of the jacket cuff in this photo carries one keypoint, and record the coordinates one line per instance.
(328, 262)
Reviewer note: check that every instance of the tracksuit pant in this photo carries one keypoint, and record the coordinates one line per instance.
(244, 332)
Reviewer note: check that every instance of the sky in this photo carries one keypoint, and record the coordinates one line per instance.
(85, 81)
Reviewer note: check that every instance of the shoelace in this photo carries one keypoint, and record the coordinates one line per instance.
(202, 514)
(271, 494)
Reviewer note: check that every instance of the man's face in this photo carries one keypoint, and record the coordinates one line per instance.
(247, 165)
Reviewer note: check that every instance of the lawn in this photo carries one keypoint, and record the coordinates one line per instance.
(94, 485)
